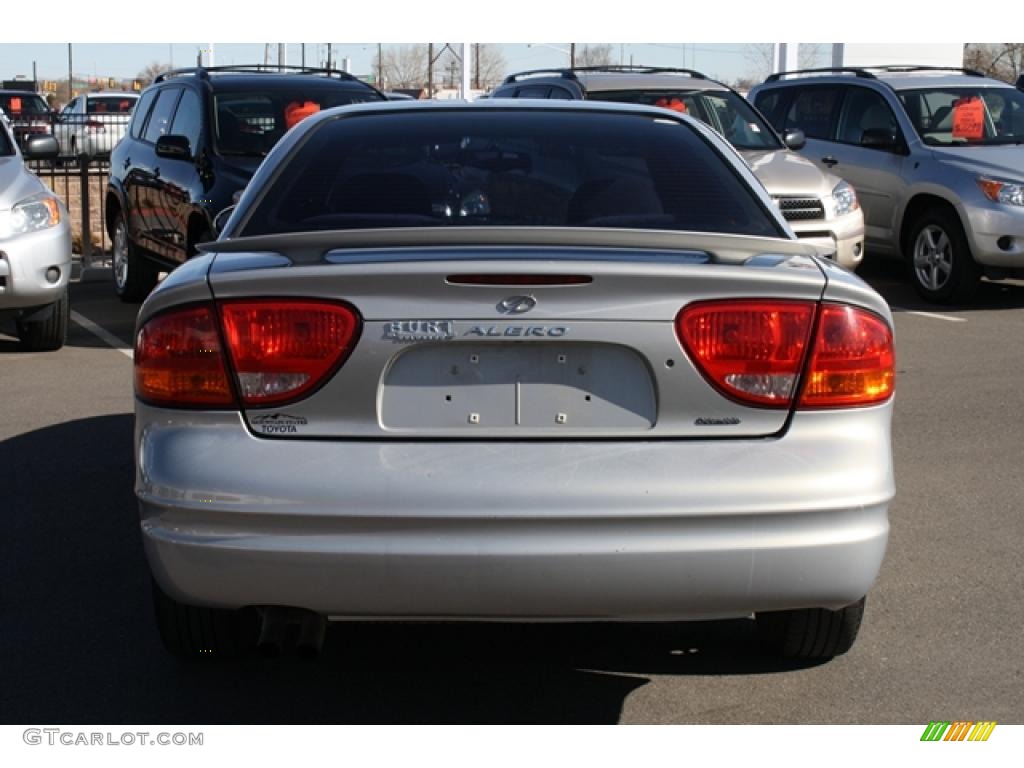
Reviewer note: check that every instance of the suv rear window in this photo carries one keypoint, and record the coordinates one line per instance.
(508, 168)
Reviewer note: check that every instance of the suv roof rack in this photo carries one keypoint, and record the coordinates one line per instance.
(204, 72)
(926, 68)
(643, 70)
(858, 71)
(569, 73)
(515, 77)
(868, 71)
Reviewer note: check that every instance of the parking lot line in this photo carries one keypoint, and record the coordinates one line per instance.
(934, 315)
(103, 334)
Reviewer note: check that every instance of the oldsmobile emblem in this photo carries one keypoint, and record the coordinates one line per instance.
(516, 305)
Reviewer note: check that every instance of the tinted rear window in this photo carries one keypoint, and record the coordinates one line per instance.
(110, 105)
(508, 168)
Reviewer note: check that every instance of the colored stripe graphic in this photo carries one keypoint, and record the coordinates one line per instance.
(934, 731)
(982, 731)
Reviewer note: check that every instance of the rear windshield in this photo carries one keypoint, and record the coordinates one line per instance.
(508, 168)
(110, 105)
(726, 112)
(21, 105)
(250, 123)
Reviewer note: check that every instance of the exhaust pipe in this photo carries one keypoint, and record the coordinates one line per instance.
(272, 632)
(282, 626)
(312, 630)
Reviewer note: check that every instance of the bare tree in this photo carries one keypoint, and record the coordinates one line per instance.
(404, 66)
(149, 72)
(761, 58)
(1003, 61)
(594, 55)
(488, 65)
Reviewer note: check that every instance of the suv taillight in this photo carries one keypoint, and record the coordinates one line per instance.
(279, 350)
(753, 351)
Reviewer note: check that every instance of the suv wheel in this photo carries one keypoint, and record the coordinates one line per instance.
(941, 265)
(810, 633)
(49, 334)
(194, 632)
(134, 276)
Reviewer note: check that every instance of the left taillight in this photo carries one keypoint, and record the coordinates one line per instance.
(278, 350)
(179, 361)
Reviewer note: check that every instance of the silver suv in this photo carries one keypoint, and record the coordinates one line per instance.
(820, 208)
(934, 155)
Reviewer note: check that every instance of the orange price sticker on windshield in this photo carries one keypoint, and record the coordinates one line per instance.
(16, 104)
(969, 118)
(298, 111)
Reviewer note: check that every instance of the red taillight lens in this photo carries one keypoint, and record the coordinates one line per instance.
(853, 361)
(283, 349)
(178, 361)
(95, 126)
(750, 350)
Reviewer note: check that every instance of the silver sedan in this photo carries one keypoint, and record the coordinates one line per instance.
(510, 362)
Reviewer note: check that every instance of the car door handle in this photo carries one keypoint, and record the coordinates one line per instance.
(829, 161)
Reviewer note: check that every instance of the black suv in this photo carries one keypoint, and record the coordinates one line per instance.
(195, 139)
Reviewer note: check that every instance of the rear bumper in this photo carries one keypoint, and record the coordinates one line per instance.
(660, 530)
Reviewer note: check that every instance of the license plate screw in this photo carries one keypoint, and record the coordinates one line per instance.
(561, 418)
(474, 418)
(474, 358)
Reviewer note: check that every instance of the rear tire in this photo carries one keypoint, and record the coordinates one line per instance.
(193, 632)
(50, 334)
(810, 633)
(134, 276)
(941, 266)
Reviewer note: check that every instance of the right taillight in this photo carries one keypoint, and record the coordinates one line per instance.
(852, 360)
(754, 351)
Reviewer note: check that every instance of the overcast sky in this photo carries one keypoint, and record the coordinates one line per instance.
(125, 60)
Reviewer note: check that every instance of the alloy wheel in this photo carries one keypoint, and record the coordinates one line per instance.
(933, 257)
(120, 256)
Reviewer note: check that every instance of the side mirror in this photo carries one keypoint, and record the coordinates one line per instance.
(41, 148)
(221, 219)
(795, 139)
(173, 148)
(881, 138)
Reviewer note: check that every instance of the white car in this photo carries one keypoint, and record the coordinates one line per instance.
(35, 246)
(93, 123)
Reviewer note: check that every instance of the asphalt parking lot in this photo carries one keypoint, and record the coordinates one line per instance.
(942, 634)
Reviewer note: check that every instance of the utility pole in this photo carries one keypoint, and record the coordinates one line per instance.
(266, 54)
(430, 70)
(282, 55)
(572, 55)
(329, 56)
(476, 65)
(467, 54)
(380, 66)
(303, 55)
(71, 77)
(35, 77)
